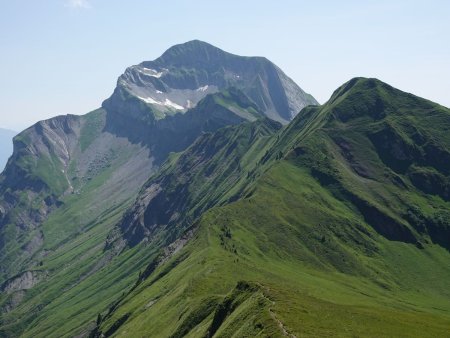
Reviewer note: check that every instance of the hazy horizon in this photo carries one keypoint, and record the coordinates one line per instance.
(64, 57)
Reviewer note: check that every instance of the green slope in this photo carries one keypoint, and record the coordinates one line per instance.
(71, 275)
(332, 236)
(288, 262)
(71, 236)
(215, 170)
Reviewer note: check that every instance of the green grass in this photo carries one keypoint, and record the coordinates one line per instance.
(314, 230)
(279, 246)
(92, 126)
(78, 287)
(323, 232)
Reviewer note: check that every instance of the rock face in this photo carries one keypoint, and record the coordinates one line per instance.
(24, 281)
(16, 287)
(186, 73)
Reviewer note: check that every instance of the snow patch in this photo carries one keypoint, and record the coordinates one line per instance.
(151, 72)
(149, 100)
(166, 103)
(169, 103)
(203, 89)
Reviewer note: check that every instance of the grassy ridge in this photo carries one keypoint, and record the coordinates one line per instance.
(275, 242)
(328, 236)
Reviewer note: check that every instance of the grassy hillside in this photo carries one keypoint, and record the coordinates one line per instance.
(66, 252)
(215, 170)
(334, 237)
(336, 225)
(315, 280)
(73, 273)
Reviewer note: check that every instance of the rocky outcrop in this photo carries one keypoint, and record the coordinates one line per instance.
(15, 288)
(23, 281)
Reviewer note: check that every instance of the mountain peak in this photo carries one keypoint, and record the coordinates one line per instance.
(195, 53)
(192, 46)
(358, 84)
(373, 98)
(186, 73)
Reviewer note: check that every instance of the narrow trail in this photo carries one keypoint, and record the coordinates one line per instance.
(282, 327)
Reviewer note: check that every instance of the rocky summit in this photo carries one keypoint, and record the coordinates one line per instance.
(186, 73)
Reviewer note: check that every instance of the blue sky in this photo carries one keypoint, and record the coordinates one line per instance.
(64, 56)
